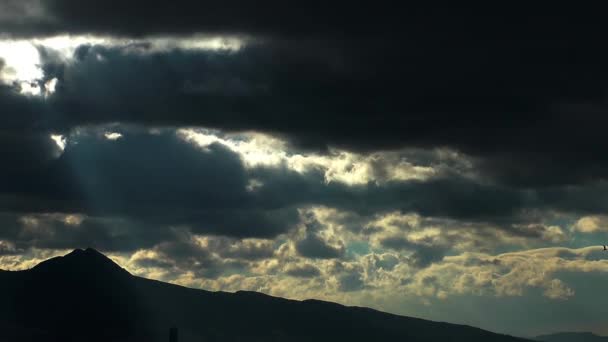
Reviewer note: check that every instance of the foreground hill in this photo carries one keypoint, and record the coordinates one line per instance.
(84, 296)
(572, 337)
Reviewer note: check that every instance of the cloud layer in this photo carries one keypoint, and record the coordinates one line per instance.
(431, 162)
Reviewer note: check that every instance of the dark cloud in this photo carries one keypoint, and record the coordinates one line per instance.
(312, 19)
(358, 97)
(455, 197)
(520, 91)
(242, 249)
(303, 271)
(161, 180)
(385, 261)
(423, 254)
(427, 255)
(150, 180)
(8, 247)
(313, 246)
(430, 281)
(154, 263)
(182, 253)
(351, 281)
(24, 114)
(58, 231)
(137, 18)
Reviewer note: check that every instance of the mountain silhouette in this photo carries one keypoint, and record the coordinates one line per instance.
(85, 296)
(572, 337)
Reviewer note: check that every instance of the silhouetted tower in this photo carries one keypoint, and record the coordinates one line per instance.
(173, 335)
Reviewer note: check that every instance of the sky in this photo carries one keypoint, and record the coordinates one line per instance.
(447, 163)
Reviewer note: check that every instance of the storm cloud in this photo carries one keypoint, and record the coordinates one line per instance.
(513, 129)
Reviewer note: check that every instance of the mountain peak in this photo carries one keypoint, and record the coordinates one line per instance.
(81, 260)
(88, 252)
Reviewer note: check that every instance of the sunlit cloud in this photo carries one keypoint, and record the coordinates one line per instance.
(591, 224)
(59, 140)
(112, 135)
(351, 168)
(22, 61)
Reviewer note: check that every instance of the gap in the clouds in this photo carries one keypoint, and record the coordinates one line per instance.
(59, 140)
(22, 60)
(112, 135)
(22, 63)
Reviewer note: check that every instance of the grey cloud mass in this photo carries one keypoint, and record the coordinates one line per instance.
(159, 179)
(331, 94)
(304, 271)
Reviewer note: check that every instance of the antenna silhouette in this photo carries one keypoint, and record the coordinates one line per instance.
(173, 337)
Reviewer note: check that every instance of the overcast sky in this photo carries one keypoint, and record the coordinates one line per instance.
(447, 163)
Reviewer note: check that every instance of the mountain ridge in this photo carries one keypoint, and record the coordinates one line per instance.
(69, 297)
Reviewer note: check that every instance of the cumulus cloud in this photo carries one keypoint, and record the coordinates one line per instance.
(514, 274)
(591, 224)
(509, 274)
